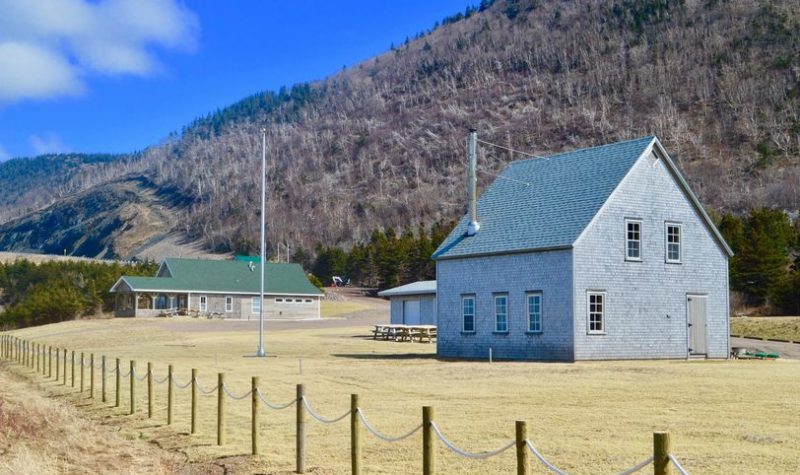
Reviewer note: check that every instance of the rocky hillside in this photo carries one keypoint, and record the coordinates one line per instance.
(382, 143)
(115, 219)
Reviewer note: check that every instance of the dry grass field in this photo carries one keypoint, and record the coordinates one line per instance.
(43, 436)
(784, 328)
(725, 417)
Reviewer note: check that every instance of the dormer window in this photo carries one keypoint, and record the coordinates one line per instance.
(633, 240)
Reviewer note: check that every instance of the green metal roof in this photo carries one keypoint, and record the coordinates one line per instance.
(200, 275)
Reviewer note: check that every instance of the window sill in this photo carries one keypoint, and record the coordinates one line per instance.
(532, 333)
(500, 333)
(595, 333)
(673, 262)
(466, 333)
(630, 259)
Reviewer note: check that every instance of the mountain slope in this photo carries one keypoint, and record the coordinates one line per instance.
(382, 143)
(111, 220)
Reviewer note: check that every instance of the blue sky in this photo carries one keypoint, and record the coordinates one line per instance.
(119, 75)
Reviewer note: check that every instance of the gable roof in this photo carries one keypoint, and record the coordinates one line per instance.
(423, 287)
(216, 276)
(546, 203)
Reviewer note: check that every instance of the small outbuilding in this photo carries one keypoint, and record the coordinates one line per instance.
(413, 304)
(225, 289)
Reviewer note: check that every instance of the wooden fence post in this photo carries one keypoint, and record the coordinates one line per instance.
(103, 375)
(149, 389)
(169, 395)
(64, 375)
(38, 358)
(301, 430)
(428, 447)
(523, 455)
(194, 402)
(355, 436)
(220, 409)
(58, 364)
(73, 369)
(91, 376)
(82, 359)
(118, 378)
(49, 361)
(661, 450)
(254, 415)
(133, 387)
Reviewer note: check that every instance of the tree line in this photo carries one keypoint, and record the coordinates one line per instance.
(37, 294)
(765, 270)
(387, 259)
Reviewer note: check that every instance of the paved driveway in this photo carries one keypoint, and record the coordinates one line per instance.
(786, 350)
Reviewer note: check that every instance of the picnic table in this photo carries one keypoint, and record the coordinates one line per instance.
(397, 332)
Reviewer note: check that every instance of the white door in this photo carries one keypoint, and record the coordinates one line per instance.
(696, 307)
(411, 312)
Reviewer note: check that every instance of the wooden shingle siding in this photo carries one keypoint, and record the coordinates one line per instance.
(646, 314)
(516, 275)
(640, 306)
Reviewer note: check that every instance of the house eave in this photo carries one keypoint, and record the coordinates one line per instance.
(505, 252)
(216, 292)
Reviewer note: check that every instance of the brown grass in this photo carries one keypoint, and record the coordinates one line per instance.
(783, 328)
(44, 436)
(594, 417)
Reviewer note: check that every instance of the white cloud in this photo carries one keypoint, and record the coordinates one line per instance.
(49, 143)
(48, 48)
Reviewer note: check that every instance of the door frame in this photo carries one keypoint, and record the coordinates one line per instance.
(689, 353)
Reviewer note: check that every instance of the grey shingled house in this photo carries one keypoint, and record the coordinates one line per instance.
(598, 253)
(227, 289)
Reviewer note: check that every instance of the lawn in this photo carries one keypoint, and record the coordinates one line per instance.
(782, 328)
(592, 417)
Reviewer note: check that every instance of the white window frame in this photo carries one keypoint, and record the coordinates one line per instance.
(528, 297)
(667, 225)
(604, 304)
(203, 303)
(464, 314)
(228, 304)
(629, 221)
(497, 314)
(255, 305)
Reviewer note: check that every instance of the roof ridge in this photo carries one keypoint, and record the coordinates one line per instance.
(583, 149)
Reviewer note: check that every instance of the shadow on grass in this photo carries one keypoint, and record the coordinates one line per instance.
(389, 356)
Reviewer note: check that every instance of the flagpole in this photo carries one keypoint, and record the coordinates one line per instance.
(263, 261)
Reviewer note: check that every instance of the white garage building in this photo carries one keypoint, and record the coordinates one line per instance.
(413, 304)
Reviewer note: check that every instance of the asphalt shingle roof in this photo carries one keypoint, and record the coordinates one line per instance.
(544, 203)
(199, 275)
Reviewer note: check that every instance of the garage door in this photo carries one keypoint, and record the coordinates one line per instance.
(411, 312)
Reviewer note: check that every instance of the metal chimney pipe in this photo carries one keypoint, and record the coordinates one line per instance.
(472, 183)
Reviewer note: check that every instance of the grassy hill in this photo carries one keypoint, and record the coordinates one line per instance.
(382, 143)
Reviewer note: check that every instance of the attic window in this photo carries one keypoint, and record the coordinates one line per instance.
(633, 240)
